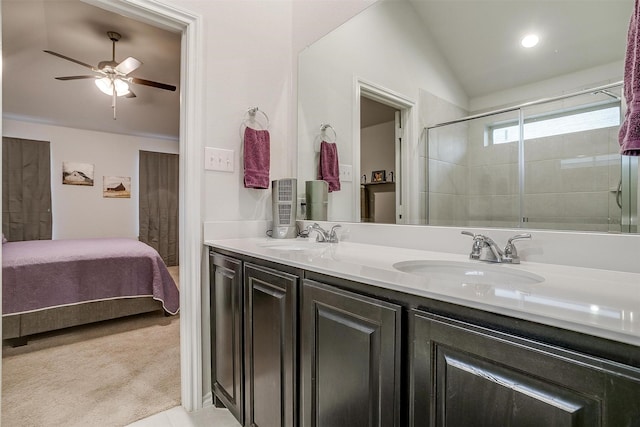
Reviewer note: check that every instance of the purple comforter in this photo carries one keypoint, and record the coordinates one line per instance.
(39, 274)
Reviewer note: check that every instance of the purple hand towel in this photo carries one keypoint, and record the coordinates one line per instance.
(329, 169)
(629, 135)
(257, 158)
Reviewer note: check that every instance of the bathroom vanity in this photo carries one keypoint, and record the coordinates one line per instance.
(320, 334)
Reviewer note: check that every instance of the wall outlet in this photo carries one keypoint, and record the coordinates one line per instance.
(346, 173)
(218, 159)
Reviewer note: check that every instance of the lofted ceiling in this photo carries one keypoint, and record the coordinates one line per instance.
(480, 39)
(78, 30)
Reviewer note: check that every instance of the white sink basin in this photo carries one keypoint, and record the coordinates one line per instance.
(468, 273)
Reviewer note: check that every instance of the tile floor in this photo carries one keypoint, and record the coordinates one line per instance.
(178, 417)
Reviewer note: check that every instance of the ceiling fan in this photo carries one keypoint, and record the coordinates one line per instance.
(112, 77)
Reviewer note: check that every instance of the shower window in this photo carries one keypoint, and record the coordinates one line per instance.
(557, 123)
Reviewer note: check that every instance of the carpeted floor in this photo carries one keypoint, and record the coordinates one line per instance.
(106, 374)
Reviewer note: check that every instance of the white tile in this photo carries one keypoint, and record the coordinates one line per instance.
(179, 417)
(213, 417)
(157, 420)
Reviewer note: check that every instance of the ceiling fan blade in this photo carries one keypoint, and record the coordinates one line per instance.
(153, 84)
(76, 77)
(59, 55)
(128, 65)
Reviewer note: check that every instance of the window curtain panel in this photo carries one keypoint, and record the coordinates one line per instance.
(26, 189)
(158, 209)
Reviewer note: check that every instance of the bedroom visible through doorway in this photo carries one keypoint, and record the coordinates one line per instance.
(116, 138)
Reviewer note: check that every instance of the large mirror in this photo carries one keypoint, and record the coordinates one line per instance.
(419, 95)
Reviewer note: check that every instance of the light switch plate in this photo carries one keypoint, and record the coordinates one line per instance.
(218, 159)
(346, 173)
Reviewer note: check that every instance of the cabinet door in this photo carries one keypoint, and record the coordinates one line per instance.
(464, 375)
(350, 359)
(226, 333)
(270, 347)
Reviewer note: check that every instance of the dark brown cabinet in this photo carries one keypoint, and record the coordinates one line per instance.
(465, 375)
(227, 377)
(350, 359)
(297, 348)
(270, 303)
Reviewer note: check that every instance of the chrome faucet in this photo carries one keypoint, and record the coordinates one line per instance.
(323, 235)
(485, 249)
(510, 251)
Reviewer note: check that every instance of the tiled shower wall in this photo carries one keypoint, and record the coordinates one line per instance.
(443, 189)
(571, 181)
(492, 179)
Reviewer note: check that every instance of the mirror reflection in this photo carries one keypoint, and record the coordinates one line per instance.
(390, 79)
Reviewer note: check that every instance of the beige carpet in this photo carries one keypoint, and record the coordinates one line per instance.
(106, 374)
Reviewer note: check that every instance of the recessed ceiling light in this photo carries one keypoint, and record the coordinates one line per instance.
(530, 40)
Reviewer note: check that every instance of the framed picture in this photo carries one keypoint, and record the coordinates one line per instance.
(117, 187)
(74, 173)
(378, 176)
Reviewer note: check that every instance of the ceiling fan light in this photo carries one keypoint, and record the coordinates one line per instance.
(122, 88)
(105, 85)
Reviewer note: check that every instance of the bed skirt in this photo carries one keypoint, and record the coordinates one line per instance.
(16, 327)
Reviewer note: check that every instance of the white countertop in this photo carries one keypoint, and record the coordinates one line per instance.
(598, 302)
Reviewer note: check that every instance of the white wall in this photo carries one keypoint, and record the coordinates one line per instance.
(326, 90)
(378, 149)
(249, 52)
(81, 211)
(565, 84)
(247, 61)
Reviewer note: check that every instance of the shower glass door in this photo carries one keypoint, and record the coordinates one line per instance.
(471, 181)
(572, 168)
(547, 165)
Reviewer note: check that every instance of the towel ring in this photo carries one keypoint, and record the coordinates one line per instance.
(251, 112)
(323, 131)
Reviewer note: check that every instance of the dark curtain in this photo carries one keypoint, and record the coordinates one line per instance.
(159, 203)
(26, 189)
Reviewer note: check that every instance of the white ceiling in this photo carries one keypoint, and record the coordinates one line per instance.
(78, 30)
(480, 39)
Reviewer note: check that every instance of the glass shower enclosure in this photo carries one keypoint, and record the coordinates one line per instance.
(548, 164)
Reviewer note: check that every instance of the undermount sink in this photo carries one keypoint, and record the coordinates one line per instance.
(468, 273)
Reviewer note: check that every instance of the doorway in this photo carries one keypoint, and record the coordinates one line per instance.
(188, 24)
(190, 221)
(378, 146)
(380, 109)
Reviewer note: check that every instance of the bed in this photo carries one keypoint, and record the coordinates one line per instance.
(54, 284)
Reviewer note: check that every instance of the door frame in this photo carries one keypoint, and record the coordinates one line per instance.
(405, 105)
(175, 19)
